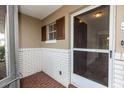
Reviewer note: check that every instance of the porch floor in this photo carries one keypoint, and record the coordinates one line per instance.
(40, 80)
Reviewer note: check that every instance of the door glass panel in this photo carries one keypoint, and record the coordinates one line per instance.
(91, 29)
(92, 65)
(3, 61)
(91, 32)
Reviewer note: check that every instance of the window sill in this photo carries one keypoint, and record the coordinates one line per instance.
(51, 41)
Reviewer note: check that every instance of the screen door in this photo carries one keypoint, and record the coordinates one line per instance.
(91, 47)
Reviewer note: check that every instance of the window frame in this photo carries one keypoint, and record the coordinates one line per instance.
(52, 31)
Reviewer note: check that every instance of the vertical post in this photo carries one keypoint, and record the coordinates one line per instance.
(16, 30)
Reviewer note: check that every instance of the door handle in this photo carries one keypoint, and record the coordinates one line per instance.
(110, 53)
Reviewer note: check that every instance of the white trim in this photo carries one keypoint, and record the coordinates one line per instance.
(84, 10)
(112, 26)
(48, 31)
(16, 34)
(51, 41)
(72, 39)
(111, 44)
(92, 50)
(87, 82)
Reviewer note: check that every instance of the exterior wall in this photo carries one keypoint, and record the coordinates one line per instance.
(31, 25)
(119, 33)
(30, 29)
(118, 63)
(29, 32)
(64, 11)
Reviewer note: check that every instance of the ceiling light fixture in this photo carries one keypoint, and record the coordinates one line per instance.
(80, 21)
(99, 14)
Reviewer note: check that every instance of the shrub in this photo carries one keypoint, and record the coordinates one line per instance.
(2, 53)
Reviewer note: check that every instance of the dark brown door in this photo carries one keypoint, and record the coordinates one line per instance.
(80, 41)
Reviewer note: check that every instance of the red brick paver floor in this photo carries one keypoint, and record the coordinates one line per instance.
(71, 86)
(39, 80)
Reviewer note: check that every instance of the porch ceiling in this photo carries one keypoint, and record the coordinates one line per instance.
(38, 11)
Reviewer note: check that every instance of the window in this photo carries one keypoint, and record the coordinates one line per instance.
(51, 31)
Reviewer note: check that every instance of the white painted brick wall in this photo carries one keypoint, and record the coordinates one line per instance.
(29, 61)
(118, 71)
(55, 60)
(51, 61)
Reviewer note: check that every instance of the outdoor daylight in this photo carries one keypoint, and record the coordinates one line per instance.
(2, 44)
